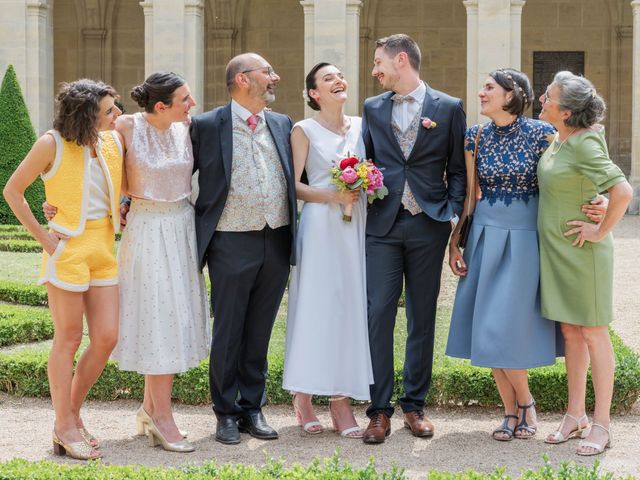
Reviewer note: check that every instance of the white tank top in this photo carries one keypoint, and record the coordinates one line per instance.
(98, 193)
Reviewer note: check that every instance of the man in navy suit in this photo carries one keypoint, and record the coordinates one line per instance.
(246, 225)
(414, 133)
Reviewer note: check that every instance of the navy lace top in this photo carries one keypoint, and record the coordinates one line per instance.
(508, 158)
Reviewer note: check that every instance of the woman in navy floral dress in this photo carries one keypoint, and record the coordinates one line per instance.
(496, 320)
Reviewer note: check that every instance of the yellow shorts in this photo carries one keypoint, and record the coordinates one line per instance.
(83, 261)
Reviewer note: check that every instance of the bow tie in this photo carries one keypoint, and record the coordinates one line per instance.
(397, 98)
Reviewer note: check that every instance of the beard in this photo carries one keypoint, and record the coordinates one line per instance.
(256, 91)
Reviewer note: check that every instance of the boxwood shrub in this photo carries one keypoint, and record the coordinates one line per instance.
(327, 469)
(17, 292)
(24, 324)
(454, 383)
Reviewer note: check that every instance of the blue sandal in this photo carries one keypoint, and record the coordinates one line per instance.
(504, 428)
(523, 426)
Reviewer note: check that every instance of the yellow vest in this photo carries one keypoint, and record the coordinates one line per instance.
(68, 182)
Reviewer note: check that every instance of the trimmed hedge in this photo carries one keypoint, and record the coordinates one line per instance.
(455, 383)
(328, 469)
(17, 136)
(16, 292)
(20, 245)
(24, 324)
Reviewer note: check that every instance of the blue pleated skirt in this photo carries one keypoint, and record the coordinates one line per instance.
(496, 320)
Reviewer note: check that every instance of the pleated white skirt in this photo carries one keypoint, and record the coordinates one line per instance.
(165, 324)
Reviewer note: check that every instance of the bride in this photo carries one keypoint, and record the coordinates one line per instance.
(327, 346)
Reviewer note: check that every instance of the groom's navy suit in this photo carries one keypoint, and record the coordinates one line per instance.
(401, 244)
(248, 269)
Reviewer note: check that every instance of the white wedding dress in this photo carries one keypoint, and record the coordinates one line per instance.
(327, 342)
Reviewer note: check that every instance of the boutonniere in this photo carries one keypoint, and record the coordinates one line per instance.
(428, 123)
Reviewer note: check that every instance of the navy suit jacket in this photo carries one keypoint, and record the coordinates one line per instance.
(437, 151)
(212, 139)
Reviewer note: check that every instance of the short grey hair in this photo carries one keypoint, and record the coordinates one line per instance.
(579, 96)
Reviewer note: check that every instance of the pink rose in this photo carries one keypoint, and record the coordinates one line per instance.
(428, 123)
(348, 175)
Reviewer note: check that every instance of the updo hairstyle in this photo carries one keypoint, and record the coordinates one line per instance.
(158, 87)
(312, 84)
(579, 96)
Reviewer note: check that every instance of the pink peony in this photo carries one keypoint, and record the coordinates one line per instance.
(348, 175)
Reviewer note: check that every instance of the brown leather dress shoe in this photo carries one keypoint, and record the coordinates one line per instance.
(418, 423)
(379, 428)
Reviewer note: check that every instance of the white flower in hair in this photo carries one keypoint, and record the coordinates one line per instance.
(305, 95)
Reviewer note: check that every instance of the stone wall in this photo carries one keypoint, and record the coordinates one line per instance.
(439, 27)
(602, 29)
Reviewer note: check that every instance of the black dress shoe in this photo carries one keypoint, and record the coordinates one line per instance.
(227, 430)
(256, 425)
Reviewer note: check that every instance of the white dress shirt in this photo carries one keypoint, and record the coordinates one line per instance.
(403, 113)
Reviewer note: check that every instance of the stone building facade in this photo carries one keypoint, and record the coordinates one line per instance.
(122, 41)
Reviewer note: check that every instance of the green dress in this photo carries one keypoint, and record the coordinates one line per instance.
(576, 284)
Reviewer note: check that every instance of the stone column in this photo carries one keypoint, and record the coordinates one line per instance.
(473, 45)
(634, 177)
(39, 64)
(515, 46)
(493, 41)
(174, 41)
(332, 34)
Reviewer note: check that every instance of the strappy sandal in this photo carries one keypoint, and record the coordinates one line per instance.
(349, 432)
(557, 436)
(504, 428)
(313, 427)
(90, 439)
(78, 450)
(523, 426)
(596, 446)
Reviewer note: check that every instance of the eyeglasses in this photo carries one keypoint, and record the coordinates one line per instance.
(267, 70)
(545, 97)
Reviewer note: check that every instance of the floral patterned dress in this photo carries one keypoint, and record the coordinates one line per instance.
(496, 320)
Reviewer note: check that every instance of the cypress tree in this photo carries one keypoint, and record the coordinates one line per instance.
(17, 136)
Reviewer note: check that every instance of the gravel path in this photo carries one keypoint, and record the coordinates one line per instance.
(462, 440)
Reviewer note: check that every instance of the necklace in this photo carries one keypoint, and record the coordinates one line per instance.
(554, 151)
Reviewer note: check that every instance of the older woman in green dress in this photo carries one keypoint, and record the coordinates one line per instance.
(576, 255)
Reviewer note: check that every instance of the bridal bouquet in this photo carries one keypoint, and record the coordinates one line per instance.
(353, 173)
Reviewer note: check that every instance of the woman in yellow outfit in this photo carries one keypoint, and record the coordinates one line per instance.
(80, 162)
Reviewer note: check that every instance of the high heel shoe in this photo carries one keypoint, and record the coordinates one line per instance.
(349, 432)
(78, 450)
(90, 439)
(557, 436)
(142, 420)
(156, 438)
(596, 446)
(313, 427)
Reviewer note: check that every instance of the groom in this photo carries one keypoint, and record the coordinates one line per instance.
(246, 225)
(415, 133)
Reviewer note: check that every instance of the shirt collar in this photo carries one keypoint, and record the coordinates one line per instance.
(242, 112)
(419, 93)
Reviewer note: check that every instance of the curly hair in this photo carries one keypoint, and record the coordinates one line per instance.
(77, 110)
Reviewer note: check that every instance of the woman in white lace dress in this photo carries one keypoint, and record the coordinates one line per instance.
(164, 312)
(327, 346)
